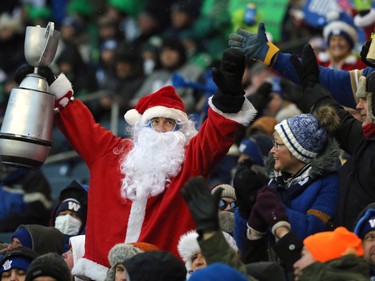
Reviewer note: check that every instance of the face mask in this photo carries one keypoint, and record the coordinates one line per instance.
(68, 224)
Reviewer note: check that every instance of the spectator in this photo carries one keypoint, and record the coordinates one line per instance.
(41, 239)
(75, 252)
(14, 263)
(365, 229)
(122, 252)
(48, 265)
(218, 272)
(227, 206)
(155, 266)
(189, 250)
(141, 198)
(332, 255)
(70, 214)
(341, 39)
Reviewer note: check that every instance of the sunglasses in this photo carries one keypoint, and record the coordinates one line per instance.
(223, 204)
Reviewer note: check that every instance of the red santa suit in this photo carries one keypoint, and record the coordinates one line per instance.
(159, 220)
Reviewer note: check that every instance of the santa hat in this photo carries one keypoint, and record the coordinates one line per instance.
(163, 103)
(188, 246)
(342, 28)
(329, 245)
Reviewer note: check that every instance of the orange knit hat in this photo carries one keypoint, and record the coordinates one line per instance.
(329, 245)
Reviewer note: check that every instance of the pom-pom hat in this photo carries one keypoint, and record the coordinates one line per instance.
(163, 103)
(303, 136)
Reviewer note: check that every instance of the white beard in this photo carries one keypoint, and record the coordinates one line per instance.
(153, 161)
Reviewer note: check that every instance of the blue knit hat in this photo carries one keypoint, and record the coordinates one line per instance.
(303, 136)
(365, 224)
(23, 234)
(18, 258)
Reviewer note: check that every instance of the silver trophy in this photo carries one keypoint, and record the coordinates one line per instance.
(26, 131)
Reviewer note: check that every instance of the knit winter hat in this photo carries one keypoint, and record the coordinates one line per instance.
(228, 190)
(188, 246)
(366, 89)
(163, 103)
(218, 272)
(340, 28)
(329, 245)
(155, 266)
(303, 136)
(23, 234)
(50, 264)
(365, 224)
(19, 258)
(124, 251)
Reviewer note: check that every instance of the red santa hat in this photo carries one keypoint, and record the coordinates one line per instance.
(163, 103)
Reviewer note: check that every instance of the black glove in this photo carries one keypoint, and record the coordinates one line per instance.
(203, 206)
(262, 97)
(308, 72)
(228, 78)
(364, 52)
(247, 180)
(308, 68)
(25, 69)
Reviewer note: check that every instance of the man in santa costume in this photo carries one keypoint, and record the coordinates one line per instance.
(135, 184)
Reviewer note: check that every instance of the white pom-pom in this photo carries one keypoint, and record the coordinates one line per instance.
(132, 116)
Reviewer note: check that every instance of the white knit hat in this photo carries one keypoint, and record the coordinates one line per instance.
(342, 28)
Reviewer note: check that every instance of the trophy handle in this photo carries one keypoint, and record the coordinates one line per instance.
(47, 48)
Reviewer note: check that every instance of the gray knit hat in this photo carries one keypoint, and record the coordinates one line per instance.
(228, 190)
(50, 264)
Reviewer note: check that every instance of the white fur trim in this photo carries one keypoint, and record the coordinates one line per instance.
(61, 86)
(78, 246)
(244, 116)
(366, 20)
(88, 268)
(132, 117)
(340, 26)
(292, 144)
(187, 247)
(280, 224)
(162, 111)
(135, 222)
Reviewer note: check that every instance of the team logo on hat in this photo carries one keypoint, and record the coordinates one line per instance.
(7, 265)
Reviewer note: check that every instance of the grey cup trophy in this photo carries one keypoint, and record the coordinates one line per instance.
(26, 131)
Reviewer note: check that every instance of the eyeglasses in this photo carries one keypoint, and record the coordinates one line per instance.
(277, 145)
(224, 204)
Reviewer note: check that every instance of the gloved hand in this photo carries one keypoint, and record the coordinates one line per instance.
(262, 97)
(308, 72)
(25, 69)
(270, 207)
(308, 68)
(257, 226)
(247, 180)
(229, 96)
(202, 205)
(254, 46)
(364, 52)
